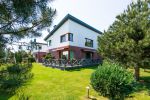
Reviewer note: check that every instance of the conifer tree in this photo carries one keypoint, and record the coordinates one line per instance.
(20, 18)
(128, 39)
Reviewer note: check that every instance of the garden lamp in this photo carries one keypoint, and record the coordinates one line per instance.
(88, 91)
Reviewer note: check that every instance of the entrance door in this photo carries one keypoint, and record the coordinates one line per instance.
(88, 55)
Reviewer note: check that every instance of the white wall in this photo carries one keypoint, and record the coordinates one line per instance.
(43, 49)
(80, 33)
(55, 38)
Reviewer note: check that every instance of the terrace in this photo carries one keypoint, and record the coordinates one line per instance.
(71, 64)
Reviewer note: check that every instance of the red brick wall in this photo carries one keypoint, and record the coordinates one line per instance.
(55, 54)
(79, 52)
(96, 55)
(39, 55)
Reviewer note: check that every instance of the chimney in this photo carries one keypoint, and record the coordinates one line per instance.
(35, 40)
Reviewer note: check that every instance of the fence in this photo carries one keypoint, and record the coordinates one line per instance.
(69, 64)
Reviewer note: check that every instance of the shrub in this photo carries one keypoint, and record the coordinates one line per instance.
(64, 57)
(112, 81)
(48, 56)
(31, 59)
(20, 55)
(13, 76)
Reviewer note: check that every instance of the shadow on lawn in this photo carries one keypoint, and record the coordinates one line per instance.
(143, 84)
(12, 78)
(5, 95)
(83, 68)
(148, 71)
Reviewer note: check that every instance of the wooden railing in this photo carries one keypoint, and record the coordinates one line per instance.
(68, 64)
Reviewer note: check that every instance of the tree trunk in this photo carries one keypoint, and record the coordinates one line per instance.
(136, 73)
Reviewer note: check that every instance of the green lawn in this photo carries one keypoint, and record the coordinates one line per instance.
(54, 84)
(143, 88)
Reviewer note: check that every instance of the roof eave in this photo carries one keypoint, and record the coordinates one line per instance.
(75, 20)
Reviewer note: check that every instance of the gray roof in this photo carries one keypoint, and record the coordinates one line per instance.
(68, 16)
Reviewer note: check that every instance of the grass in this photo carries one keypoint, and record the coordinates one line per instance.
(142, 91)
(54, 84)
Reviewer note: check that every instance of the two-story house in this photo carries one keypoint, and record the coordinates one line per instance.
(74, 39)
(38, 49)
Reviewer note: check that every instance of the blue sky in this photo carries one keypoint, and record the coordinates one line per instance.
(97, 13)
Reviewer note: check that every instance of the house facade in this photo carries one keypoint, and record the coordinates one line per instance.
(73, 39)
(38, 50)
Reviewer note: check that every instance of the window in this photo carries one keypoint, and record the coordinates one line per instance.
(40, 47)
(20, 47)
(70, 37)
(28, 48)
(49, 43)
(63, 38)
(88, 42)
(65, 54)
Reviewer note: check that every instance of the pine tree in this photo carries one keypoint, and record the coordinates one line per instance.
(128, 39)
(20, 18)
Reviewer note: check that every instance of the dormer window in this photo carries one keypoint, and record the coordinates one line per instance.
(63, 38)
(70, 37)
